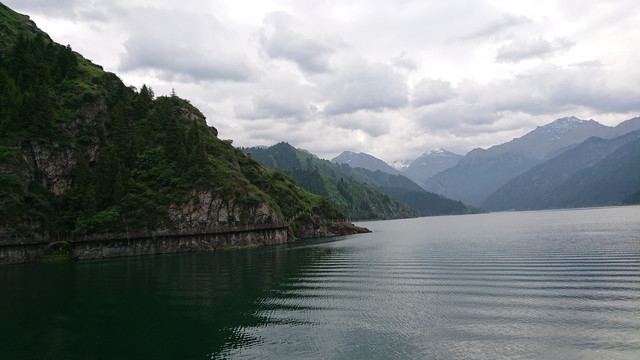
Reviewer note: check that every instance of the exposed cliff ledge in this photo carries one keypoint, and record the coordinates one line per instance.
(119, 245)
(206, 211)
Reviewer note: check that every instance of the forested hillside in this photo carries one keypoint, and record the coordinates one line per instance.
(81, 153)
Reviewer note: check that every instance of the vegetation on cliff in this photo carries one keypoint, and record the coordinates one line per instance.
(82, 154)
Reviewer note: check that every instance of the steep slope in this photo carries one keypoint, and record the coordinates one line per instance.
(365, 161)
(531, 189)
(345, 189)
(610, 181)
(404, 189)
(481, 172)
(429, 164)
(81, 154)
(633, 199)
(626, 127)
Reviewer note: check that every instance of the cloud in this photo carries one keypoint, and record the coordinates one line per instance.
(550, 89)
(523, 49)
(174, 62)
(360, 85)
(274, 104)
(374, 76)
(61, 8)
(188, 47)
(497, 25)
(373, 125)
(279, 41)
(430, 91)
(405, 61)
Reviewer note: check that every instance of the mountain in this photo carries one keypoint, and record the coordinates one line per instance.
(404, 189)
(534, 188)
(419, 170)
(365, 161)
(431, 163)
(400, 165)
(633, 199)
(611, 181)
(626, 127)
(82, 155)
(345, 186)
(336, 182)
(481, 172)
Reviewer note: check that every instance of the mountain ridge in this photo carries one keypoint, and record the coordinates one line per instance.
(483, 171)
(322, 177)
(365, 161)
(532, 189)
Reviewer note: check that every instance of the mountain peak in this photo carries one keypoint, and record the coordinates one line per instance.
(434, 152)
(431, 163)
(363, 160)
(439, 152)
(568, 123)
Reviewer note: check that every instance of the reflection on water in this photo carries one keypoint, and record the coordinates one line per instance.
(550, 284)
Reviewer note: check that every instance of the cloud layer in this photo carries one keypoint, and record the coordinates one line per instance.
(393, 79)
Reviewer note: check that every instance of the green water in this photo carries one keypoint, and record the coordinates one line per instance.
(549, 284)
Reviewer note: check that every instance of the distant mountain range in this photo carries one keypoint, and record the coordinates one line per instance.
(481, 172)
(592, 168)
(359, 192)
(530, 171)
(418, 170)
(430, 163)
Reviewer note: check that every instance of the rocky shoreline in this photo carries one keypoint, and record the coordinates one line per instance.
(121, 245)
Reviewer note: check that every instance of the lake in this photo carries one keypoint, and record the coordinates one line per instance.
(561, 284)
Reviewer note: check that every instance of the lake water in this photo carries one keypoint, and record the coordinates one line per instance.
(548, 284)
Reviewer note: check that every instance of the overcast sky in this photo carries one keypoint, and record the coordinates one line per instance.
(389, 78)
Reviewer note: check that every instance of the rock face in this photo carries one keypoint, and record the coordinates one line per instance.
(152, 245)
(206, 212)
(326, 228)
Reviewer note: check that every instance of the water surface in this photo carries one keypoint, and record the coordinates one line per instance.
(545, 284)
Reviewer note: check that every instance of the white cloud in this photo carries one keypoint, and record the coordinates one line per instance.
(282, 42)
(431, 91)
(187, 47)
(496, 26)
(390, 78)
(522, 49)
(273, 105)
(405, 61)
(360, 85)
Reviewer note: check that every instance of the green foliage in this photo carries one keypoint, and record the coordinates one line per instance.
(127, 155)
(58, 257)
(356, 200)
(310, 180)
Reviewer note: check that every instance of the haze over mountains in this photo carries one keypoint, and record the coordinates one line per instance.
(562, 181)
(359, 192)
(523, 165)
